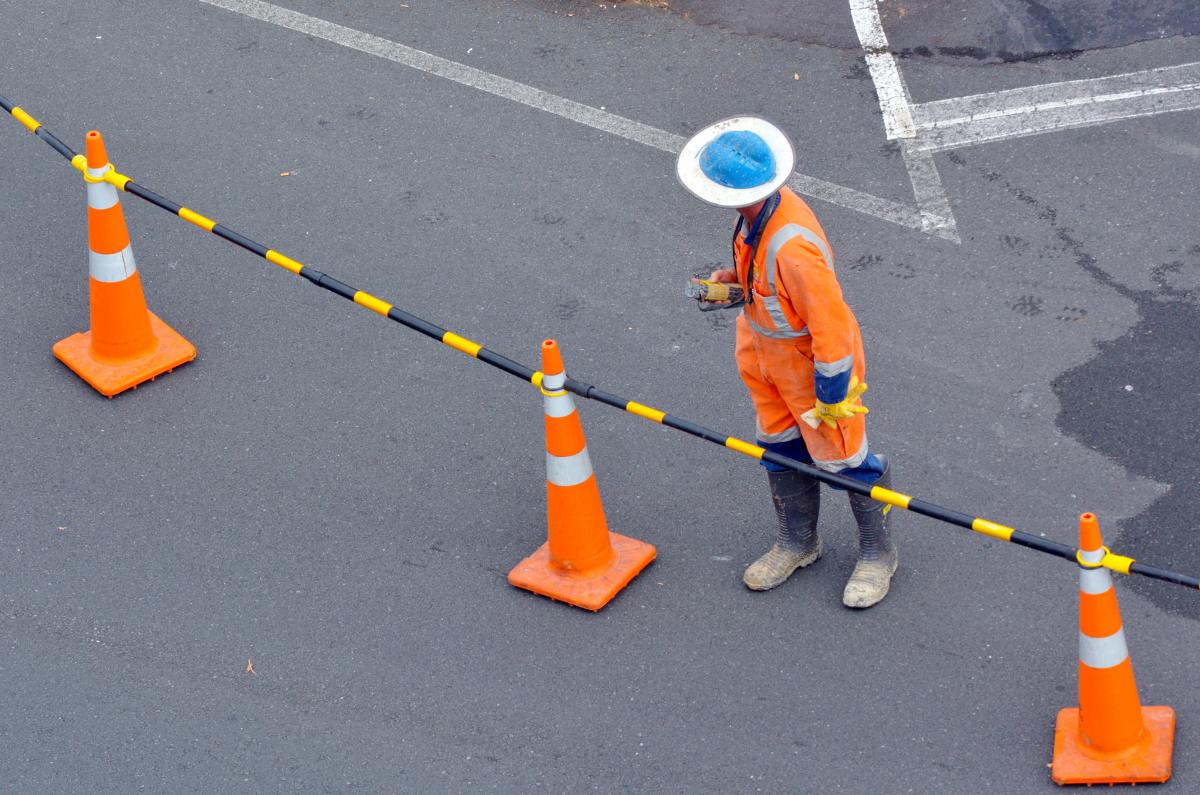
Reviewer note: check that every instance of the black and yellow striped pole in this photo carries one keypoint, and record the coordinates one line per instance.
(1118, 563)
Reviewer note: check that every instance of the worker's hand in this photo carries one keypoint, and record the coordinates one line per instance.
(722, 275)
(830, 413)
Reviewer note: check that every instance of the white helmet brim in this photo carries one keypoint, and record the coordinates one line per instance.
(692, 177)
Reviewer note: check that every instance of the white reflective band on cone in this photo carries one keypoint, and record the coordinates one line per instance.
(568, 470)
(112, 267)
(558, 405)
(1094, 581)
(100, 195)
(553, 383)
(1103, 652)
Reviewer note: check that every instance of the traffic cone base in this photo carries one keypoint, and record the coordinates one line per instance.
(1148, 762)
(110, 377)
(540, 574)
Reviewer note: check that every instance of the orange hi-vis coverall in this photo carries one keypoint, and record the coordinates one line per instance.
(797, 341)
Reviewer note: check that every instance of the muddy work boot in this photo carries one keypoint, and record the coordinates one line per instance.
(797, 499)
(877, 558)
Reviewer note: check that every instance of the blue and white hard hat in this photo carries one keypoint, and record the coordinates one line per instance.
(736, 162)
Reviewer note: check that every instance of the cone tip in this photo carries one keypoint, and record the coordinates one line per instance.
(552, 362)
(1089, 532)
(94, 144)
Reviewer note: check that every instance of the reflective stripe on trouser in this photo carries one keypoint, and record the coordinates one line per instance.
(571, 486)
(779, 376)
(1107, 688)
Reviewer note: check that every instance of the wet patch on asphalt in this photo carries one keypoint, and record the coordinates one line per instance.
(1134, 402)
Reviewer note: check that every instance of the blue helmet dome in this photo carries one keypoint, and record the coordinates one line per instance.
(738, 159)
(736, 162)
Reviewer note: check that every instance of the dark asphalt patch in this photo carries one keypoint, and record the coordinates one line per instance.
(1021, 30)
(1001, 31)
(1150, 430)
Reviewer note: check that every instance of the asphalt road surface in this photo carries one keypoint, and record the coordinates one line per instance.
(338, 500)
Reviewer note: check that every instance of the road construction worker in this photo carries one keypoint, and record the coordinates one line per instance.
(798, 349)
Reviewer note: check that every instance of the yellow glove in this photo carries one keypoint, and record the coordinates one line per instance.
(830, 413)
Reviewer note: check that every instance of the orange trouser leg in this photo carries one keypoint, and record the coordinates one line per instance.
(779, 377)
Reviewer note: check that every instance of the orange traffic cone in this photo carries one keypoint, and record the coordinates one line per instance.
(1111, 738)
(582, 563)
(127, 344)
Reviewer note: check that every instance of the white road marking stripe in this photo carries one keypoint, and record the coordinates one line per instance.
(1030, 99)
(1049, 117)
(936, 216)
(933, 207)
(1103, 652)
(894, 100)
(570, 470)
(851, 199)
(542, 100)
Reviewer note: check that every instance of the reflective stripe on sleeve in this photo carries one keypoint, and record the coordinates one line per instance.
(568, 470)
(832, 369)
(112, 267)
(1103, 652)
(553, 383)
(784, 235)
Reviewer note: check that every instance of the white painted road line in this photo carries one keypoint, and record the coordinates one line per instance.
(936, 216)
(896, 105)
(620, 126)
(894, 100)
(1019, 112)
